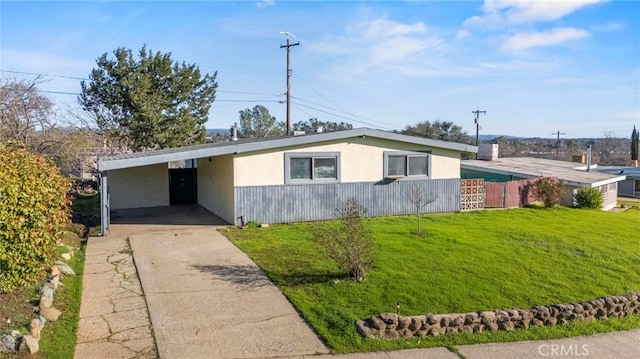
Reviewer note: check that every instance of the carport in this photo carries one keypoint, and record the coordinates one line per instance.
(138, 182)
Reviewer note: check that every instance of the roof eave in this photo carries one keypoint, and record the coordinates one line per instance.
(235, 148)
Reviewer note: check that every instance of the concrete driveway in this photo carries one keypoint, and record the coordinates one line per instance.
(207, 299)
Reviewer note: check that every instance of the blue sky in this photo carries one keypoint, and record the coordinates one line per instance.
(535, 66)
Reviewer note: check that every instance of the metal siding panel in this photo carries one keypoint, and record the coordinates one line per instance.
(286, 203)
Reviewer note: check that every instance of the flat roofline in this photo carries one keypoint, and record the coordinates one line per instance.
(236, 147)
(531, 176)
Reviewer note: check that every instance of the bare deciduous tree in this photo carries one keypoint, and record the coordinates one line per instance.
(28, 117)
(418, 198)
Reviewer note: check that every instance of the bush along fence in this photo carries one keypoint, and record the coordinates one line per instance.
(16, 341)
(392, 326)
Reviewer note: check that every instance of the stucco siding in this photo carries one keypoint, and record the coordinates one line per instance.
(361, 161)
(138, 187)
(284, 203)
(610, 198)
(215, 186)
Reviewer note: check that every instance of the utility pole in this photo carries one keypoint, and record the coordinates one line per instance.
(558, 133)
(477, 121)
(288, 46)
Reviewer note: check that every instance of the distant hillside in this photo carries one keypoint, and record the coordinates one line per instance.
(214, 131)
(483, 138)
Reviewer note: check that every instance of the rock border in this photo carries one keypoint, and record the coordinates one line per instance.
(16, 341)
(393, 326)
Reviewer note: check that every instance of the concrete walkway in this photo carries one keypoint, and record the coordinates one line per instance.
(114, 322)
(207, 299)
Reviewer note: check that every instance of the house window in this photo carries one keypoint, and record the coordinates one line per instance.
(637, 185)
(406, 164)
(312, 167)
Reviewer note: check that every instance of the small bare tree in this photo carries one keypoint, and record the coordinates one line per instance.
(419, 200)
(350, 244)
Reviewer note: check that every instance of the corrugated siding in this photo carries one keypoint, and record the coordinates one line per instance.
(298, 203)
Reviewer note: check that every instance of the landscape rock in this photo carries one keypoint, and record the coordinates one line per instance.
(34, 328)
(66, 256)
(64, 268)
(31, 344)
(392, 326)
(7, 344)
(47, 292)
(45, 302)
(50, 313)
(389, 318)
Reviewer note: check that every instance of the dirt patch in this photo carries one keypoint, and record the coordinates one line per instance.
(16, 309)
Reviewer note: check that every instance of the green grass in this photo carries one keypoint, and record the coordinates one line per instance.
(466, 262)
(58, 339)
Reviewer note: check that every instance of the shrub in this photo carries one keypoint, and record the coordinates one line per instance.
(34, 214)
(548, 190)
(588, 198)
(350, 244)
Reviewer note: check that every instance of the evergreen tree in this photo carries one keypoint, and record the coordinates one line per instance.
(313, 124)
(258, 122)
(634, 144)
(148, 101)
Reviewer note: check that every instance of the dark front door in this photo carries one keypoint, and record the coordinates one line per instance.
(182, 185)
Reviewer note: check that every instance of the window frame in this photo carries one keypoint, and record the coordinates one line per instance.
(406, 154)
(310, 155)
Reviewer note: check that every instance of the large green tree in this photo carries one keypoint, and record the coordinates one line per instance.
(148, 101)
(438, 130)
(313, 124)
(258, 122)
(634, 144)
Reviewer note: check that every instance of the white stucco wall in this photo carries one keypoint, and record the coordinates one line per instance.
(610, 198)
(361, 161)
(215, 186)
(138, 187)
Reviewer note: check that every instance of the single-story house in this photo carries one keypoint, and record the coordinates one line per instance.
(630, 186)
(571, 174)
(288, 179)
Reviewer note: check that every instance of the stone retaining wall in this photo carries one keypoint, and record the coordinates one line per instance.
(392, 326)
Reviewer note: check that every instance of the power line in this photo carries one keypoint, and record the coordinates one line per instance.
(347, 118)
(42, 74)
(333, 103)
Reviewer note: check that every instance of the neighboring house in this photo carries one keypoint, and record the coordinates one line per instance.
(289, 179)
(628, 187)
(572, 175)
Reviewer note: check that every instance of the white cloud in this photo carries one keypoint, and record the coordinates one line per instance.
(525, 40)
(462, 34)
(381, 44)
(497, 13)
(265, 3)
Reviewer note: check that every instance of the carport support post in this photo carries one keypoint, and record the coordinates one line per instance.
(104, 205)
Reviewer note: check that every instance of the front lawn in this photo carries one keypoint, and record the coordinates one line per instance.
(466, 262)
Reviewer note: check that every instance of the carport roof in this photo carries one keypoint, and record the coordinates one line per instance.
(136, 159)
(571, 173)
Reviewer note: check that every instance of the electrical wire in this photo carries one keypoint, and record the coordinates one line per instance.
(344, 117)
(335, 104)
